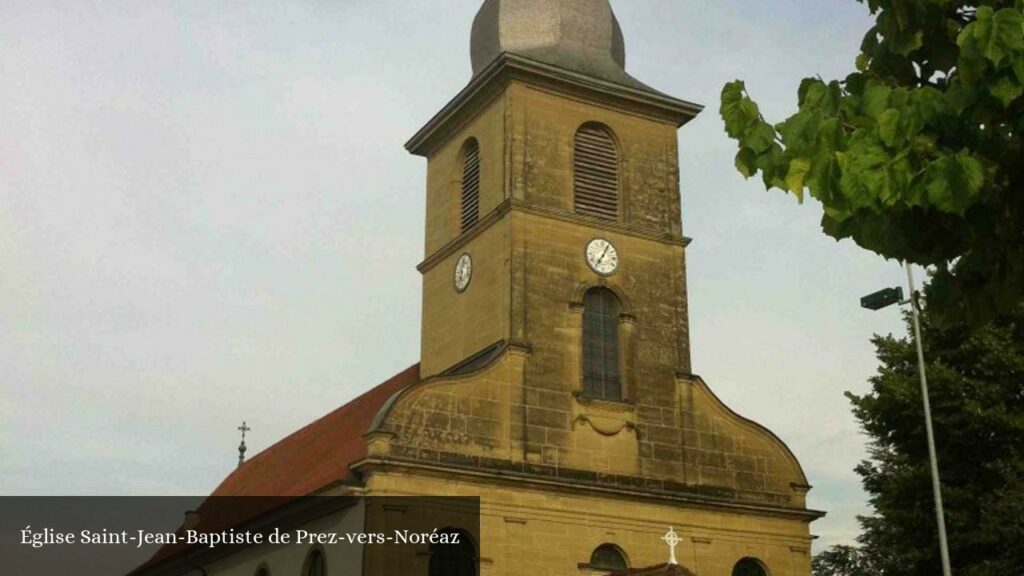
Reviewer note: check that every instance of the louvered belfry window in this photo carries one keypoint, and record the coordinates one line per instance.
(596, 173)
(470, 212)
(601, 378)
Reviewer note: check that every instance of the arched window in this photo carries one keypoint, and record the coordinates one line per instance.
(315, 565)
(749, 567)
(470, 206)
(596, 172)
(601, 309)
(608, 557)
(263, 571)
(453, 559)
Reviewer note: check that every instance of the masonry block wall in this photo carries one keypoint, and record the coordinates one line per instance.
(502, 396)
(526, 411)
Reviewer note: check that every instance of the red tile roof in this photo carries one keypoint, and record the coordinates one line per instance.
(303, 462)
(320, 453)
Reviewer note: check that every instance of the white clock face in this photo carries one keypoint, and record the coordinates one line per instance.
(463, 272)
(602, 257)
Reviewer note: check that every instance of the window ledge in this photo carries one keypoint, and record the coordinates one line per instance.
(625, 405)
(606, 417)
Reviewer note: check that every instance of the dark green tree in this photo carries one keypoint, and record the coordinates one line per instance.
(843, 560)
(976, 383)
(918, 154)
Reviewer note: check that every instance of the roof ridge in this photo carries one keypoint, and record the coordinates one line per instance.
(308, 445)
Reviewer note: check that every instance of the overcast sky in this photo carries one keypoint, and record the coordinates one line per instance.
(207, 215)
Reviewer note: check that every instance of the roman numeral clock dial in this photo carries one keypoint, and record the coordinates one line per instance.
(602, 257)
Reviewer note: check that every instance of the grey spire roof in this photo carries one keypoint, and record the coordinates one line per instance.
(568, 42)
(578, 35)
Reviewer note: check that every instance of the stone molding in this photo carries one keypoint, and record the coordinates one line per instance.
(557, 213)
(507, 66)
(640, 488)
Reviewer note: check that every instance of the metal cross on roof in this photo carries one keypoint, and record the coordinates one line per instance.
(673, 540)
(241, 447)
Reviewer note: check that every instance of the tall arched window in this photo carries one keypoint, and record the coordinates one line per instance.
(470, 206)
(601, 310)
(453, 559)
(749, 567)
(263, 571)
(315, 565)
(596, 172)
(608, 557)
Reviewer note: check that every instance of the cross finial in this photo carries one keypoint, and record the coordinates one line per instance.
(672, 539)
(241, 447)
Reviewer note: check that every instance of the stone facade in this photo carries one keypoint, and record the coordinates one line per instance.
(529, 245)
(501, 412)
(548, 528)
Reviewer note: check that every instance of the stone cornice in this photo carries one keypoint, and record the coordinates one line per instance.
(565, 215)
(455, 245)
(547, 482)
(555, 212)
(508, 66)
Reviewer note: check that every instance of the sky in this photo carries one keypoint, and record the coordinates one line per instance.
(207, 216)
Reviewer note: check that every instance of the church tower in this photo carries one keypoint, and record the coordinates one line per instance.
(553, 178)
(555, 381)
(555, 344)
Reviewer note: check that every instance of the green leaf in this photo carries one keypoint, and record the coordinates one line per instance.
(971, 65)
(772, 164)
(952, 182)
(1006, 90)
(834, 216)
(759, 137)
(1018, 67)
(865, 178)
(798, 169)
(923, 145)
(940, 193)
(799, 131)
(746, 162)
(821, 96)
(863, 62)
(959, 98)
(929, 103)
(888, 127)
(801, 91)
(995, 35)
(905, 44)
(973, 172)
(738, 111)
(876, 99)
(830, 136)
(823, 180)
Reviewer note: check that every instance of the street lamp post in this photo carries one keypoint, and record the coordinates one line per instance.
(885, 298)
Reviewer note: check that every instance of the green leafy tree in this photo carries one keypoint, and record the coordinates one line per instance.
(843, 560)
(976, 382)
(917, 155)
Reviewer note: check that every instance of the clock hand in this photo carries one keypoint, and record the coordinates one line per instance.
(601, 257)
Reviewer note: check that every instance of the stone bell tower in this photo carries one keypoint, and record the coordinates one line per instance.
(550, 146)
(555, 342)
(553, 181)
